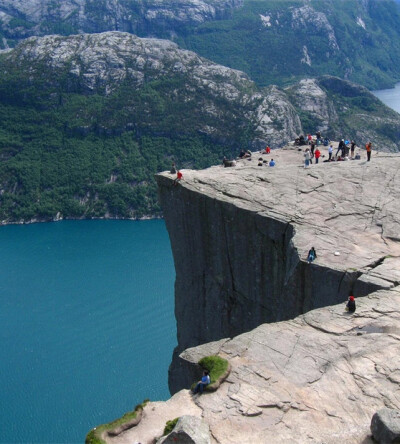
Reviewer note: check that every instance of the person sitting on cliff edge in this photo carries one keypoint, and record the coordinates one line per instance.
(312, 255)
(179, 177)
(244, 154)
(205, 380)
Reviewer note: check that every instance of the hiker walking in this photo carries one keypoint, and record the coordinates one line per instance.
(368, 147)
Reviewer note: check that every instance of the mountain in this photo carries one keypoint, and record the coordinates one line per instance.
(20, 19)
(281, 42)
(273, 41)
(87, 120)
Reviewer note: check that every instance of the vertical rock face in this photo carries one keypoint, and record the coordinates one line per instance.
(240, 237)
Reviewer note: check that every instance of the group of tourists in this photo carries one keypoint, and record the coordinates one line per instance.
(345, 151)
(319, 140)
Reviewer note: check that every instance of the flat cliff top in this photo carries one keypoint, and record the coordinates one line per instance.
(349, 211)
(317, 378)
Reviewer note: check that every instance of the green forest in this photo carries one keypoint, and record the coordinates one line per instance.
(273, 54)
(87, 154)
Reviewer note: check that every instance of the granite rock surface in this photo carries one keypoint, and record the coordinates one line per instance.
(240, 238)
(385, 426)
(318, 378)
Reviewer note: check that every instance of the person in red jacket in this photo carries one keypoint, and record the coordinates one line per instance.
(317, 155)
(179, 177)
(368, 147)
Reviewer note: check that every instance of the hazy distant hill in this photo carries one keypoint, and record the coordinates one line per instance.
(85, 121)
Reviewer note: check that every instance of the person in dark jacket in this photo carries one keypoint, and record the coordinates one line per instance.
(312, 255)
(341, 147)
(351, 304)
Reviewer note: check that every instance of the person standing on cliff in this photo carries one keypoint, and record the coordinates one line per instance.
(368, 147)
(351, 304)
(317, 155)
(341, 147)
(307, 158)
(352, 148)
(330, 151)
(312, 146)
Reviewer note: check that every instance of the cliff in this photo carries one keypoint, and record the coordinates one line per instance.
(240, 237)
(318, 378)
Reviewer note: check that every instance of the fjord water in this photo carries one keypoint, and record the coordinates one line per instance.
(87, 327)
(390, 97)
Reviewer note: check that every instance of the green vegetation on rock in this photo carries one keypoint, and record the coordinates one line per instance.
(280, 42)
(169, 426)
(216, 366)
(95, 436)
(75, 154)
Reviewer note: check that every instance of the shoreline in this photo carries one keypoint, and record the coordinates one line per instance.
(59, 219)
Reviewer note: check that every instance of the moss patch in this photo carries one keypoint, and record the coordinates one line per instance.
(114, 428)
(169, 426)
(218, 368)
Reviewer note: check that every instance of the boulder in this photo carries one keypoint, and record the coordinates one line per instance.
(188, 430)
(385, 426)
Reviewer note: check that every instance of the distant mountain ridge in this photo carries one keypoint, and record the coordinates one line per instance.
(87, 120)
(20, 18)
(274, 42)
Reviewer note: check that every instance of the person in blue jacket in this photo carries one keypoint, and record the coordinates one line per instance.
(271, 163)
(205, 380)
(312, 255)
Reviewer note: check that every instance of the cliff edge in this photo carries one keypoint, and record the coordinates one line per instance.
(240, 238)
(318, 378)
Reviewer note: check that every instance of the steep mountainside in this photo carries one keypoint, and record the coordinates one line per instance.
(87, 120)
(340, 109)
(271, 40)
(282, 41)
(20, 18)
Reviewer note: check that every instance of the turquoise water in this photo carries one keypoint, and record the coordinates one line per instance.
(87, 326)
(390, 97)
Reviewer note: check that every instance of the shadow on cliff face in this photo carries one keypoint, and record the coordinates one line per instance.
(237, 269)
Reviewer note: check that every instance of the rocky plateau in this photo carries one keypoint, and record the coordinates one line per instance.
(240, 238)
(318, 378)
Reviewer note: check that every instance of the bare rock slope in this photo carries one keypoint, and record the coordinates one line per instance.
(318, 378)
(227, 101)
(240, 238)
